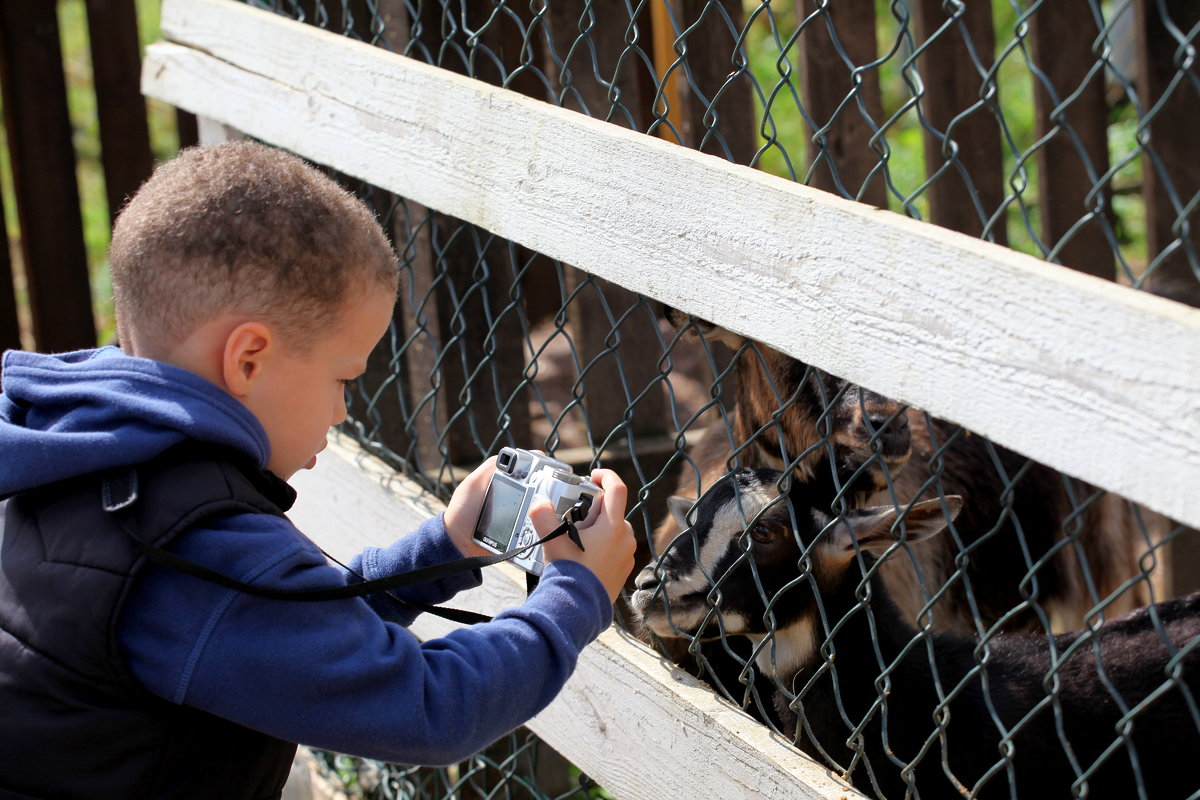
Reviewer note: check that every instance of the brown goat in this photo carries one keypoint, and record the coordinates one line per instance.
(786, 409)
(1016, 555)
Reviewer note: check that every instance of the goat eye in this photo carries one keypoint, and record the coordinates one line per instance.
(760, 533)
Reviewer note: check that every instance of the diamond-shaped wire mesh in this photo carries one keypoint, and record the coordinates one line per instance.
(1061, 129)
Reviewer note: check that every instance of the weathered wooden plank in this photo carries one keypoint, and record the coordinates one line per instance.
(1071, 162)
(43, 165)
(841, 158)
(1094, 379)
(120, 109)
(966, 149)
(623, 698)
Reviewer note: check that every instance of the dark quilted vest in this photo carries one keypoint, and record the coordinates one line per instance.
(73, 722)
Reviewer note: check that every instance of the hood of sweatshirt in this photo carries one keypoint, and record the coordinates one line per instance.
(72, 414)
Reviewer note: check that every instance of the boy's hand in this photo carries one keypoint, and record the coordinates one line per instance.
(463, 509)
(609, 540)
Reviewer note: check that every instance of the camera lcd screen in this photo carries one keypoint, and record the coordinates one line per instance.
(502, 510)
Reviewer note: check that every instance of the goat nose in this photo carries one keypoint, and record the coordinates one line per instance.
(647, 578)
(895, 438)
(896, 423)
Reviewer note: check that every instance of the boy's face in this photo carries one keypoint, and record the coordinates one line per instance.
(303, 394)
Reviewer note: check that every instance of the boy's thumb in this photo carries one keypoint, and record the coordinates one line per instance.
(543, 517)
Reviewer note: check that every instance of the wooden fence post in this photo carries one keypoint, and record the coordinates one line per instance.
(392, 377)
(592, 315)
(1172, 138)
(188, 128)
(1172, 130)
(844, 162)
(972, 187)
(10, 326)
(116, 70)
(445, 368)
(43, 164)
(1070, 163)
(717, 103)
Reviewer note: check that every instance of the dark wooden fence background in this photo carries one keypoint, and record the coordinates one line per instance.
(42, 155)
(52, 245)
(711, 108)
(47, 196)
(1061, 36)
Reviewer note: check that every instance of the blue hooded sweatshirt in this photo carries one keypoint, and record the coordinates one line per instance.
(342, 675)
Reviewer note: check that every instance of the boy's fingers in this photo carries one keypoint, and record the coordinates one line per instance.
(616, 494)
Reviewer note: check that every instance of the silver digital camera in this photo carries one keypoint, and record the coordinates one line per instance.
(520, 479)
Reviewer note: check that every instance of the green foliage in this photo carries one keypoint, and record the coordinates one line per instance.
(773, 33)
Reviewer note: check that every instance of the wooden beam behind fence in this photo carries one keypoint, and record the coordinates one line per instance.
(43, 164)
(1094, 379)
(1166, 74)
(962, 137)
(477, 371)
(1071, 163)
(10, 327)
(121, 110)
(592, 318)
(841, 159)
(716, 95)
(404, 367)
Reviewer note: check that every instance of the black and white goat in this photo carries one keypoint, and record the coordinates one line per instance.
(1111, 712)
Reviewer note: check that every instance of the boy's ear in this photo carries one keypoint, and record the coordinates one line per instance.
(246, 350)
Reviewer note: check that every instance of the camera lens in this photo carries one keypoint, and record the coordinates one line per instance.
(505, 462)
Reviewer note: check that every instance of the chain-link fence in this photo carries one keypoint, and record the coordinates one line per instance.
(1058, 128)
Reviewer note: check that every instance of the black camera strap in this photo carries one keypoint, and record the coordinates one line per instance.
(119, 499)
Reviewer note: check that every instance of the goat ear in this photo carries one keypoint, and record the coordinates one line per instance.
(702, 328)
(679, 507)
(872, 527)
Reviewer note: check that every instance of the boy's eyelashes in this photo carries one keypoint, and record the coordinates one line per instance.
(347, 382)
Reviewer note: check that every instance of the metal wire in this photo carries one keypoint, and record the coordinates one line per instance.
(985, 118)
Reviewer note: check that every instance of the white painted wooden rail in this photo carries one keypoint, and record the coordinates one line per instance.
(1097, 380)
(634, 722)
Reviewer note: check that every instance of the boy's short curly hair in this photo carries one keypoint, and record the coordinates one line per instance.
(246, 228)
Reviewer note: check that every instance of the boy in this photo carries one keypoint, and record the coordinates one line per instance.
(249, 290)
